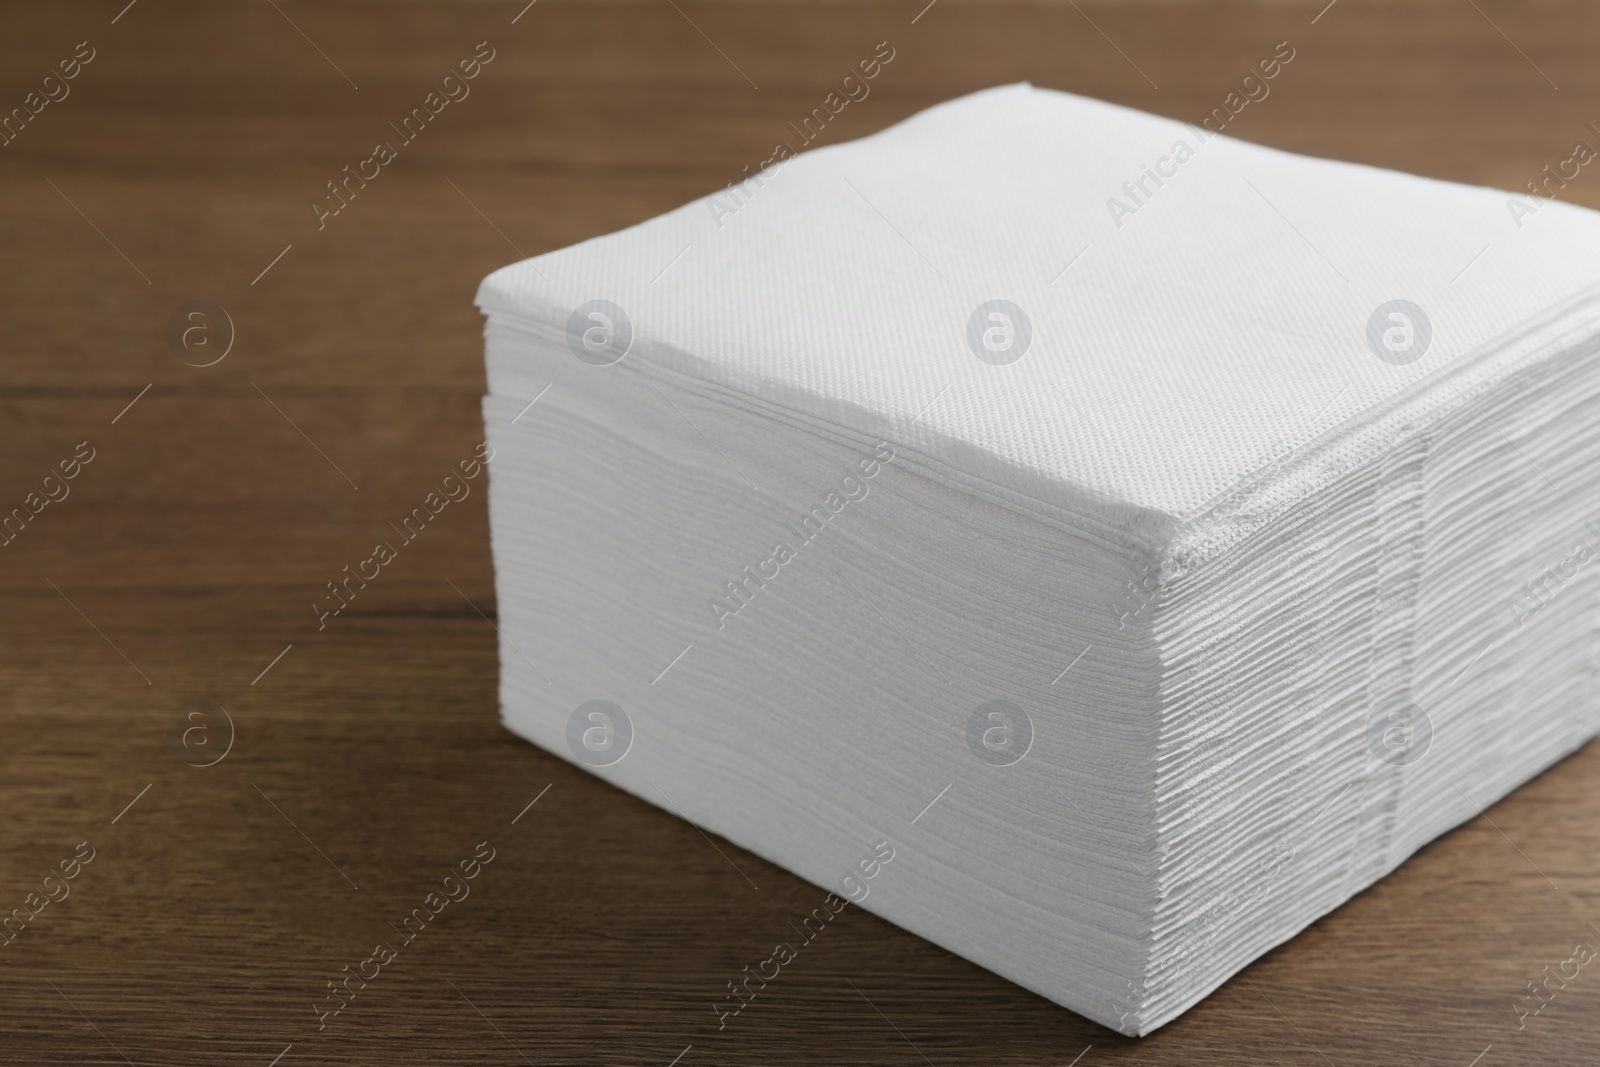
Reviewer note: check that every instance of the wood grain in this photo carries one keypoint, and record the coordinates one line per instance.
(369, 757)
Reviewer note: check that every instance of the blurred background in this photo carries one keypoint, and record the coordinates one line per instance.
(262, 797)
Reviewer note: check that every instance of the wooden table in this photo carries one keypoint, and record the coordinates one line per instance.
(175, 579)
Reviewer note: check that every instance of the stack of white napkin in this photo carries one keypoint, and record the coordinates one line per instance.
(1152, 537)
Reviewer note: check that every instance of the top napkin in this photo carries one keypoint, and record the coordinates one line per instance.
(1085, 305)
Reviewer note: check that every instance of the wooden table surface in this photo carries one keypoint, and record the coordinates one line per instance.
(175, 579)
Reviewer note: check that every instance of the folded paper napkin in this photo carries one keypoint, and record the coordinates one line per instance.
(1147, 538)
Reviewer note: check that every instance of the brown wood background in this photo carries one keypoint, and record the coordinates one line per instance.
(189, 550)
